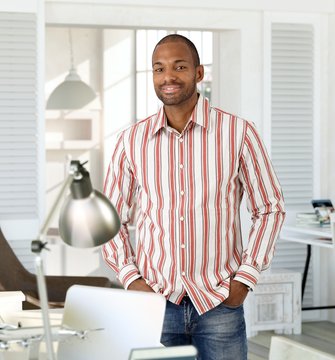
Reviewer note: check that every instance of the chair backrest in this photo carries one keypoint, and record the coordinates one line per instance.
(288, 349)
(13, 275)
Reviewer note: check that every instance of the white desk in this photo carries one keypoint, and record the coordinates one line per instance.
(29, 321)
(322, 236)
(313, 235)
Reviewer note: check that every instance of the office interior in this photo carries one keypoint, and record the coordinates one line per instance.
(110, 42)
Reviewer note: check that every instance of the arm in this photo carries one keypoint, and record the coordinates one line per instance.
(120, 187)
(265, 203)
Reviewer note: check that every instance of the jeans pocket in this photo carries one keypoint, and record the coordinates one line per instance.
(231, 307)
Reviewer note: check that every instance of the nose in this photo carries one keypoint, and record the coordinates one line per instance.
(169, 75)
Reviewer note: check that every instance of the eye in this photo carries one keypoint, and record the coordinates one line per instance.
(157, 70)
(180, 68)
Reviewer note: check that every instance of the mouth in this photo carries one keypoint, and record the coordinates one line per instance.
(170, 89)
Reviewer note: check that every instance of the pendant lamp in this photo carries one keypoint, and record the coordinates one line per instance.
(72, 93)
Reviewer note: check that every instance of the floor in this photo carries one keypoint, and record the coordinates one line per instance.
(320, 335)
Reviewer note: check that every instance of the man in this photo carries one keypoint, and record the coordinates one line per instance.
(186, 168)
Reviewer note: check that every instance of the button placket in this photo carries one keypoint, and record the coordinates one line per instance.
(182, 219)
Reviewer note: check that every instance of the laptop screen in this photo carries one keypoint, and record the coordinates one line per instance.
(118, 321)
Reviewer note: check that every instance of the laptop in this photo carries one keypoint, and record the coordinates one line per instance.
(116, 321)
(186, 352)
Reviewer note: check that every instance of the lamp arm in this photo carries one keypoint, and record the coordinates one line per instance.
(37, 247)
(66, 185)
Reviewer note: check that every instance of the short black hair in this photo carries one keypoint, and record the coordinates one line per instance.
(183, 39)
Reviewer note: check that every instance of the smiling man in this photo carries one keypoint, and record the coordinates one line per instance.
(187, 168)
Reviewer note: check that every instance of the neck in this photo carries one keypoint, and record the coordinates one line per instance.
(178, 116)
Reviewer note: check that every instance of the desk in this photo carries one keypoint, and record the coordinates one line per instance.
(31, 321)
(322, 236)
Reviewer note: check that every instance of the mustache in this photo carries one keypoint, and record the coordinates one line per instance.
(169, 83)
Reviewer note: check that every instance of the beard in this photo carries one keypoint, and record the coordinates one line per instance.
(185, 93)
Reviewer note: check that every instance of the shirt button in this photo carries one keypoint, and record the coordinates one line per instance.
(182, 218)
(183, 273)
(182, 246)
(182, 192)
(181, 166)
(181, 139)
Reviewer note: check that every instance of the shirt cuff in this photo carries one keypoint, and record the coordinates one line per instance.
(128, 274)
(247, 275)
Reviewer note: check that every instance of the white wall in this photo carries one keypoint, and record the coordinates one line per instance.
(329, 157)
(330, 138)
(322, 6)
(25, 6)
(118, 85)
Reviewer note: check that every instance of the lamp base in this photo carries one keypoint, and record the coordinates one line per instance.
(43, 295)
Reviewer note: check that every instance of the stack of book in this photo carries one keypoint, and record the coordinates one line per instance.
(307, 219)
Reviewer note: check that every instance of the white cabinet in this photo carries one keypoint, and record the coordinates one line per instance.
(275, 304)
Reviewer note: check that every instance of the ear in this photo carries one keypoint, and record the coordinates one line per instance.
(199, 72)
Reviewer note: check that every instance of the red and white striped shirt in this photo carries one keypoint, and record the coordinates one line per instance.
(188, 188)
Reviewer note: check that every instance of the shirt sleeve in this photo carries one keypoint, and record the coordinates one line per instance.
(119, 187)
(265, 203)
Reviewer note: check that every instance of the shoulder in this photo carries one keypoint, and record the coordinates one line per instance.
(138, 129)
(230, 118)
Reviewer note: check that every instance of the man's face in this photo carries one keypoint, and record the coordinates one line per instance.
(175, 76)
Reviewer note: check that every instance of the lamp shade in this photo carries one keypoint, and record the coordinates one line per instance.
(87, 218)
(71, 94)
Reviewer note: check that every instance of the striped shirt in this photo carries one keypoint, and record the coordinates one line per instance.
(188, 188)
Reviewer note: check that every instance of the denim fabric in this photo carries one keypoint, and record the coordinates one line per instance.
(219, 334)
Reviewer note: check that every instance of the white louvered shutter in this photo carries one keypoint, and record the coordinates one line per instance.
(292, 82)
(19, 197)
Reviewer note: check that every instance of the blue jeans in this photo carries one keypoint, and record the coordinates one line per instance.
(219, 334)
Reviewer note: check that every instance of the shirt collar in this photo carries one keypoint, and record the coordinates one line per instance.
(200, 116)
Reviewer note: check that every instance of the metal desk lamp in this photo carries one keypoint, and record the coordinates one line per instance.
(87, 219)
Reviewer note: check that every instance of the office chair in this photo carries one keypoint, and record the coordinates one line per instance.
(15, 277)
